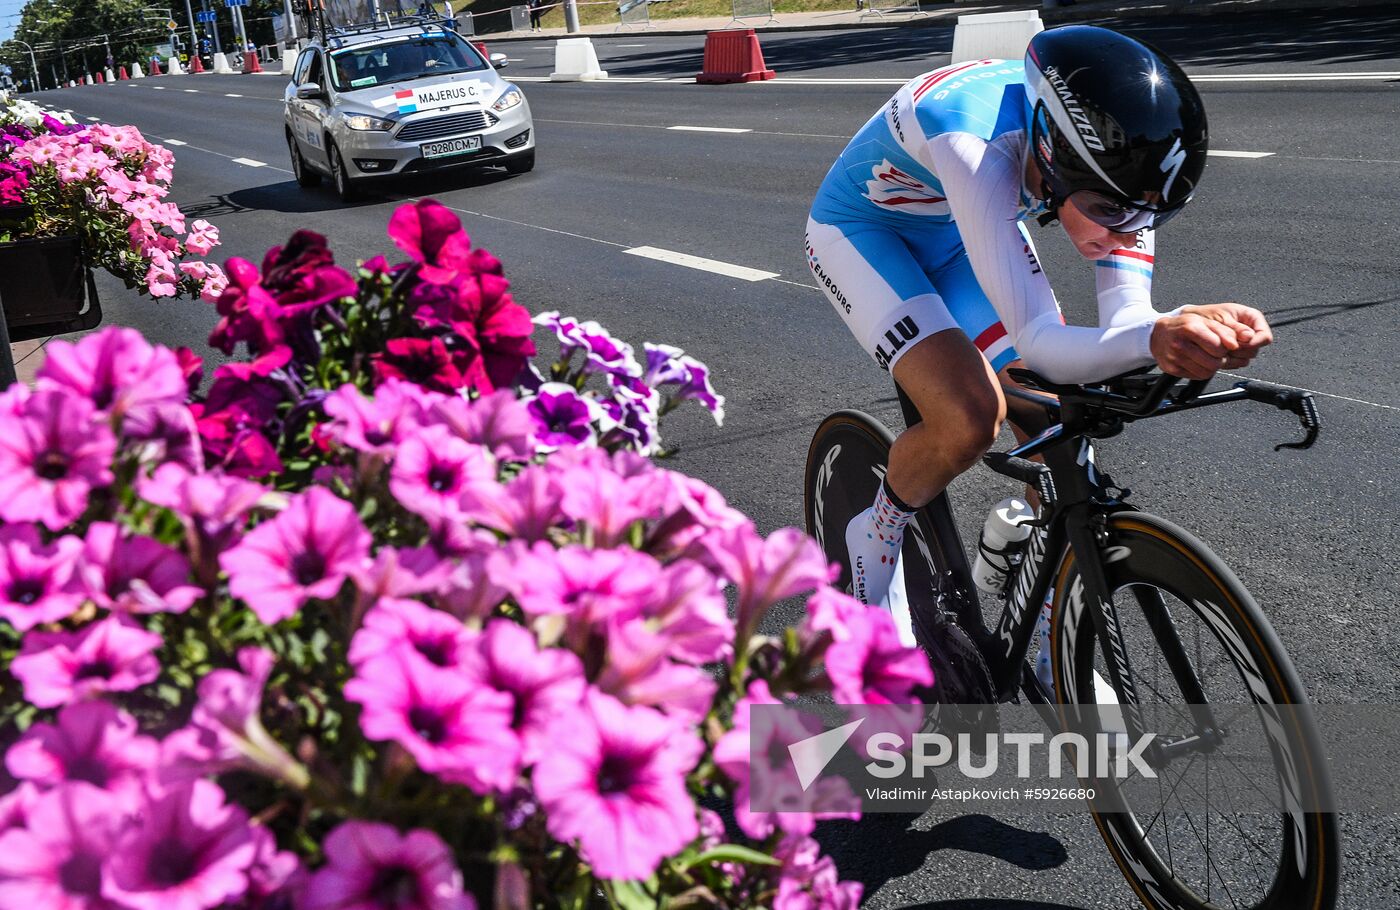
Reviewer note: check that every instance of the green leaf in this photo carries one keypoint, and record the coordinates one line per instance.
(733, 853)
(629, 895)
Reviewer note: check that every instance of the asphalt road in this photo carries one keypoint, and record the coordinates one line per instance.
(1306, 234)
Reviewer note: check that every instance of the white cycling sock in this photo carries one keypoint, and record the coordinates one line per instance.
(1043, 666)
(872, 542)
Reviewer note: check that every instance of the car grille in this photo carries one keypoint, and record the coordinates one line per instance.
(451, 125)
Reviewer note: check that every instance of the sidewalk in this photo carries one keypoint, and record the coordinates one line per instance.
(946, 14)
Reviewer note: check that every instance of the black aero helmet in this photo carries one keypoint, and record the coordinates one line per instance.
(1116, 120)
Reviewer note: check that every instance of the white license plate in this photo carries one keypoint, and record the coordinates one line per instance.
(448, 147)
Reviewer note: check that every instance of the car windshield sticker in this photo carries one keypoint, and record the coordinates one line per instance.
(364, 80)
(433, 97)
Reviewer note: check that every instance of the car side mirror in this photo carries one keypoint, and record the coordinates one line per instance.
(310, 91)
(499, 61)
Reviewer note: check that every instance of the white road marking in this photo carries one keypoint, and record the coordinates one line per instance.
(629, 45)
(176, 142)
(192, 91)
(92, 119)
(1359, 76)
(856, 83)
(730, 270)
(250, 162)
(159, 88)
(1223, 153)
(1374, 404)
(710, 129)
(232, 95)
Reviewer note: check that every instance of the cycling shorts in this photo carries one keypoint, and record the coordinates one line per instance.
(895, 287)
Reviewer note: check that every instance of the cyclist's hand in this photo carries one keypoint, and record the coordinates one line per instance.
(1195, 344)
(1249, 325)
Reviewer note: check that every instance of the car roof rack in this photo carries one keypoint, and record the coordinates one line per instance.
(340, 35)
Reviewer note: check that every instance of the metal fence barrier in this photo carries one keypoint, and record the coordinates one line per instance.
(883, 8)
(634, 14)
(754, 9)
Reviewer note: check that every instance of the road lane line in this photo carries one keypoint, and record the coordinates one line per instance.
(1223, 153)
(1374, 404)
(629, 45)
(698, 262)
(159, 88)
(653, 126)
(192, 91)
(175, 142)
(249, 162)
(232, 95)
(92, 119)
(710, 129)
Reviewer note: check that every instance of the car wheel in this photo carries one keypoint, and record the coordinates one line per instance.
(344, 187)
(304, 175)
(521, 164)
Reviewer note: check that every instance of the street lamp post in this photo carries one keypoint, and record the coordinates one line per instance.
(33, 64)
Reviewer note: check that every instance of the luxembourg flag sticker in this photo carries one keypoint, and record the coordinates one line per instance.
(405, 100)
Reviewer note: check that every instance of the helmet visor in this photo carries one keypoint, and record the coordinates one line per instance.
(1119, 216)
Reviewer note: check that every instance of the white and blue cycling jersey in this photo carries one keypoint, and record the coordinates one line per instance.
(918, 228)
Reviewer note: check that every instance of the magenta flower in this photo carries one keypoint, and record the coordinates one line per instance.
(16, 805)
(810, 881)
(434, 471)
(453, 726)
(586, 585)
(422, 361)
(52, 456)
(602, 352)
(524, 509)
(37, 583)
(432, 235)
(670, 366)
(188, 850)
(93, 741)
(498, 329)
(469, 592)
(112, 655)
(563, 417)
(371, 866)
(497, 421)
(690, 610)
(134, 574)
(56, 862)
(540, 681)
(424, 633)
(273, 874)
(213, 506)
(787, 563)
(307, 551)
(614, 780)
(164, 432)
(639, 671)
(116, 369)
(870, 666)
(606, 501)
(225, 729)
(377, 425)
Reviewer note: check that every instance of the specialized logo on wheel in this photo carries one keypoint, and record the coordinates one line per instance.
(893, 189)
(827, 281)
(903, 332)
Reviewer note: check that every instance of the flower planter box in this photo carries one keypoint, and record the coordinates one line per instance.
(45, 289)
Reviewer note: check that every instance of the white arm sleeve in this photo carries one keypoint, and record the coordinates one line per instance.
(982, 182)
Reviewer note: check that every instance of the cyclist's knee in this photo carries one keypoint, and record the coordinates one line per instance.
(971, 428)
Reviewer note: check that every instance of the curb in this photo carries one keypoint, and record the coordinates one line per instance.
(940, 18)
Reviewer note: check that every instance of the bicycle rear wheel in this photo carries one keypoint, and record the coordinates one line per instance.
(1192, 635)
(845, 466)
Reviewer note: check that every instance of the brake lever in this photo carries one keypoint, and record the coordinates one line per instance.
(1298, 401)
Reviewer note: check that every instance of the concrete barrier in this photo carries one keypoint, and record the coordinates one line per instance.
(136, 72)
(996, 36)
(109, 75)
(575, 60)
(289, 61)
(172, 66)
(221, 65)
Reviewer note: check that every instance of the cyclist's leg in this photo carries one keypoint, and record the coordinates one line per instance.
(870, 274)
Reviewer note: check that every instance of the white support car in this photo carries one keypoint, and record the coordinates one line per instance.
(381, 101)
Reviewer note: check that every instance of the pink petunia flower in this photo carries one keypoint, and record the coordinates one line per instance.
(188, 850)
(766, 571)
(869, 665)
(433, 237)
(583, 584)
(37, 583)
(453, 726)
(690, 610)
(133, 573)
(639, 671)
(55, 863)
(498, 421)
(274, 876)
(202, 238)
(376, 425)
(810, 881)
(371, 866)
(116, 369)
(607, 501)
(434, 470)
(540, 681)
(422, 361)
(16, 805)
(424, 633)
(93, 741)
(226, 730)
(524, 509)
(111, 655)
(614, 781)
(52, 456)
(307, 551)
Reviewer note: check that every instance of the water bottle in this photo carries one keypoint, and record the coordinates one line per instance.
(1003, 534)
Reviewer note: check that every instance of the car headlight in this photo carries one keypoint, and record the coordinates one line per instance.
(366, 122)
(509, 99)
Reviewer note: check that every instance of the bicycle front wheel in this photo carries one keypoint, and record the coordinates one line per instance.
(1213, 681)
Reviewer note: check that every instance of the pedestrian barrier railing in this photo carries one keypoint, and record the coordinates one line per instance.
(883, 8)
(754, 9)
(633, 14)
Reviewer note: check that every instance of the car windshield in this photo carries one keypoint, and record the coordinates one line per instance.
(402, 61)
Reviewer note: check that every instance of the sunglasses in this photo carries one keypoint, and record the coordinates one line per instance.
(1119, 217)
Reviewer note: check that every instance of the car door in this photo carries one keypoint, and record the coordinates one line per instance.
(310, 113)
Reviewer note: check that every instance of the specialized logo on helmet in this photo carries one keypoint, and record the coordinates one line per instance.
(1171, 166)
(1074, 109)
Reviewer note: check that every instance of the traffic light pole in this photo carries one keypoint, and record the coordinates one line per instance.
(194, 36)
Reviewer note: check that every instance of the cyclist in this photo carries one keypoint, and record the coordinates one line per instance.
(917, 237)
